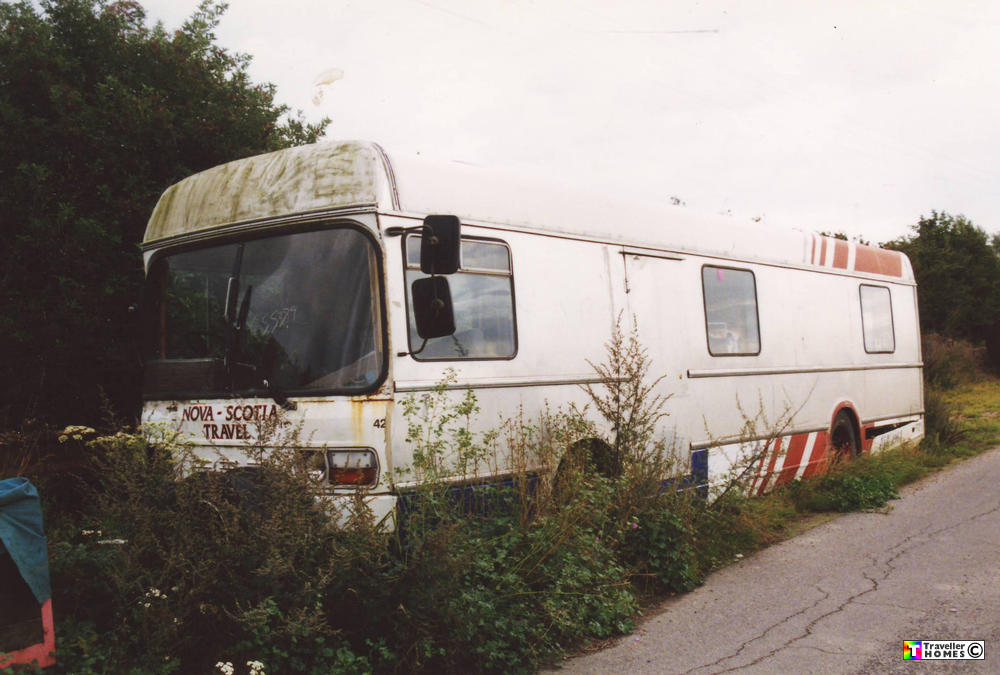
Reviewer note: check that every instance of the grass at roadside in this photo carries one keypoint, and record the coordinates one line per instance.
(975, 410)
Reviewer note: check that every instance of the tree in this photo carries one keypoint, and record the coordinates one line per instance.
(958, 275)
(101, 113)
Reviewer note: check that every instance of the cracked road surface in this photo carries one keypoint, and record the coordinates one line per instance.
(842, 597)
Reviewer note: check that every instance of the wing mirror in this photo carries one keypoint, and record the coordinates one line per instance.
(440, 245)
(432, 308)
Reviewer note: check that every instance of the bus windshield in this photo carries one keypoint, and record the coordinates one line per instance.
(295, 313)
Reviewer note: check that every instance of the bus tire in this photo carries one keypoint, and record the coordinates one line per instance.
(591, 455)
(844, 441)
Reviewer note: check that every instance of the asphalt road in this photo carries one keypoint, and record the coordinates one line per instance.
(844, 596)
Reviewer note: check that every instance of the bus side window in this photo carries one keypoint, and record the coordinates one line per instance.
(730, 311)
(482, 293)
(876, 319)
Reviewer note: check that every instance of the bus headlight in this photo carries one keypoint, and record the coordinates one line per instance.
(314, 464)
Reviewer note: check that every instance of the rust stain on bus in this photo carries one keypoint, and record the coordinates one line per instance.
(362, 409)
(375, 396)
(358, 417)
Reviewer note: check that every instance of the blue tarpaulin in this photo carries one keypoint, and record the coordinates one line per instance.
(23, 536)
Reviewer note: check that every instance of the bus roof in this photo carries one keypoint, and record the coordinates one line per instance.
(357, 174)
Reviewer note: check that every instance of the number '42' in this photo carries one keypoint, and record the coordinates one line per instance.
(379, 423)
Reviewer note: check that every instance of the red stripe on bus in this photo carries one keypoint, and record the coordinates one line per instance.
(818, 456)
(796, 446)
(878, 261)
(866, 443)
(840, 254)
(822, 253)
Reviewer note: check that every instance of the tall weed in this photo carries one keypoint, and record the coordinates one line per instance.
(941, 430)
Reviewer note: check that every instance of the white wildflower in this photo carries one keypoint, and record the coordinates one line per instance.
(76, 432)
(156, 593)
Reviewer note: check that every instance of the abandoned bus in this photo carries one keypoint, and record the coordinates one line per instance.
(326, 283)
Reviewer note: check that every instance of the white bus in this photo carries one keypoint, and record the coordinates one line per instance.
(293, 282)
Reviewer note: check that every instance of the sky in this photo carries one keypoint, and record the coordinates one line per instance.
(847, 116)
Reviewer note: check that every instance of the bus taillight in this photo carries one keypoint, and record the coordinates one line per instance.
(352, 467)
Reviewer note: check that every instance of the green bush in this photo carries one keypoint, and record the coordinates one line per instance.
(162, 560)
(493, 594)
(843, 492)
(500, 579)
(659, 545)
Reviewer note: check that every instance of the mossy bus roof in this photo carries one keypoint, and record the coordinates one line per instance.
(356, 174)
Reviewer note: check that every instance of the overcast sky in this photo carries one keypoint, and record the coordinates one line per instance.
(854, 116)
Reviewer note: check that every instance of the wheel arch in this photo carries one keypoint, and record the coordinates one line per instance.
(597, 452)
(847, 407)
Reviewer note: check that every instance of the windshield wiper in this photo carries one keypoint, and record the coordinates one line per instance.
(233, 318)
(229, 317)
(235, 326)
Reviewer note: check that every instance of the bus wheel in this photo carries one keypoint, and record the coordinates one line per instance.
(590, 455)
(843, 437)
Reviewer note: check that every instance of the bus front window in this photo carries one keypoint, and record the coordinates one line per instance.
(297, 313)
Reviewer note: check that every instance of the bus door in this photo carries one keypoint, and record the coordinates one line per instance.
(664, 304)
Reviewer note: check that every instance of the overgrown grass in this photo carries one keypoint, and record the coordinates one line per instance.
(975, 413)
(197, 572)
